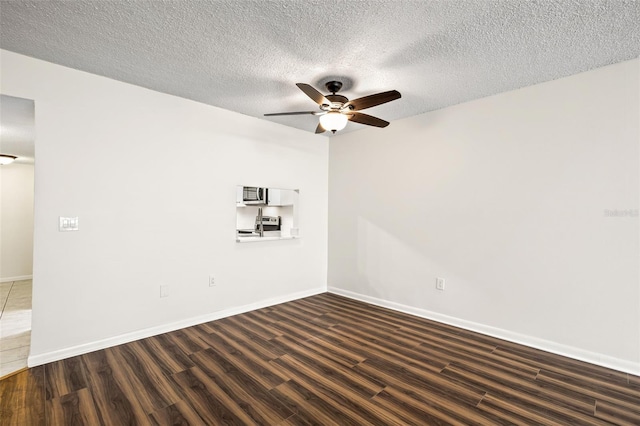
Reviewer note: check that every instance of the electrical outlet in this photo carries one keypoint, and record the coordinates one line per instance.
(164, 291)
(440, 283)
(212, 281)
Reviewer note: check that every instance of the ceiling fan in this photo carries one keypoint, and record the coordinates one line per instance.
(336, 110)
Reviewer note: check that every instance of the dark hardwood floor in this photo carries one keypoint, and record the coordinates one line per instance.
(323, 360)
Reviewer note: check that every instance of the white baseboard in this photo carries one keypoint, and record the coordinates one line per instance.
(18, 278)
(39, 359)
(534, 342)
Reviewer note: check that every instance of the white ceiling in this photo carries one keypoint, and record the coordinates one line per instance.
(246, 56)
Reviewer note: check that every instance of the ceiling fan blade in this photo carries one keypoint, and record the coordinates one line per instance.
(313, 94)
(291, 113)
(369, 120)
(320, 129)
(372, 100)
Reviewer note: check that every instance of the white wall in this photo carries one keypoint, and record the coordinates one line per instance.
(505, 197)
(16, 221)
(153, 180)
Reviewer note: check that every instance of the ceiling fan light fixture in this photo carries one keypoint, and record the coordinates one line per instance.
(333, 121)
(336, 110)
(6, 159)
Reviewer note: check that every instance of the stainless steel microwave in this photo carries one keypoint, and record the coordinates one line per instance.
(255, 195)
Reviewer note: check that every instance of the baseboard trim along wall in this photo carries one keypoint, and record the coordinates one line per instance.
(545, 345)
(35, 360)
(19, 278)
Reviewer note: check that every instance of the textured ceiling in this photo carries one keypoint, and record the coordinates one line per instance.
(246, 56)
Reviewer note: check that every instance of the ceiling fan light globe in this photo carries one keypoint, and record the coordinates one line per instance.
(333, 121)
(6, 159)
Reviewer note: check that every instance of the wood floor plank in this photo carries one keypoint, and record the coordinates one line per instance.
(297, 330)
(454, 353)
(347, 379)
(76, 408)
(383, 318)
(208, 327)
(533, 415)
(513, 414)
(266, 329)
(430, 410)
(294, 420)
(161, 358)
(64, 377)
(172, 356)
(374, 334)
(321, 360)
(259, 369)
(460, 344)
(421, 325)
(304, 305)
(113, 405)
(350, 317)
(194, 335)
(311, 408)
(261, 317)
(186, 340)
(253, 398)
(358, 405)
(255, 324)
(527, 393)
(371, 345)
(633, 381)
(412, 413)
(596, 382)
(556, 363)
(179, 414)
(152, 388)
(210, 402)
(295, 312)
(325, 367)
(246, 338)
(616, 414)
(332, 351)
(22, 398)
(415, 380)
(503, 415)
(583, 387)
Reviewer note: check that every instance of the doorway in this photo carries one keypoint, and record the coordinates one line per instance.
(17, 139)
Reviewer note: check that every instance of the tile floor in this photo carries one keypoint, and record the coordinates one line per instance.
(15, 325)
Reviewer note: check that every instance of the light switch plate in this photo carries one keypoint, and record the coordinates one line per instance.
(164, 291)
(68, 224)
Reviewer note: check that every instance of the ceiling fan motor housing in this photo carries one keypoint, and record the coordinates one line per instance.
(337, 101)
(333, 86)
